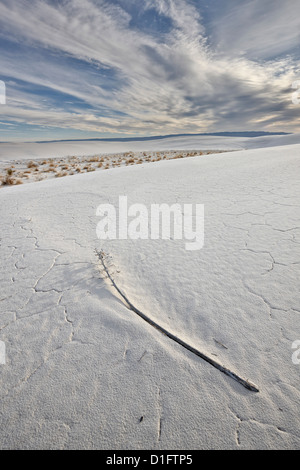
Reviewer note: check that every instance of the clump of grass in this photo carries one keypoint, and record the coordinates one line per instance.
(94, 159)
(7, 181)
(61, 174)
(31, 164)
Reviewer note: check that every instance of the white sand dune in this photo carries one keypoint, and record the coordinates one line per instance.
(82, 369)
(33, 150)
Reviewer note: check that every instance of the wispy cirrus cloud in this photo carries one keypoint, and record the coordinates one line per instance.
(160, 66)
(258, 29)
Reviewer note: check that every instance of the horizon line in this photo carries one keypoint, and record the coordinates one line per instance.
(157, 137)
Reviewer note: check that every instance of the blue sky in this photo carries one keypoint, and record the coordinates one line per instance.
(121, 68)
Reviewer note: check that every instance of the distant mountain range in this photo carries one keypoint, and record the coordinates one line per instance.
(140, 139)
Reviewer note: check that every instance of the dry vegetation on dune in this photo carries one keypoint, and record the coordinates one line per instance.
(8, 179)
(22, 171)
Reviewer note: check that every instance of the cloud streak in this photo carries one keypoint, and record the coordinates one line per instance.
(93, 66)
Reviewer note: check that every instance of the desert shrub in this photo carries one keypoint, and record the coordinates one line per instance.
(7, 181)
(94, 159)
(31, 164)
(61, 174)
